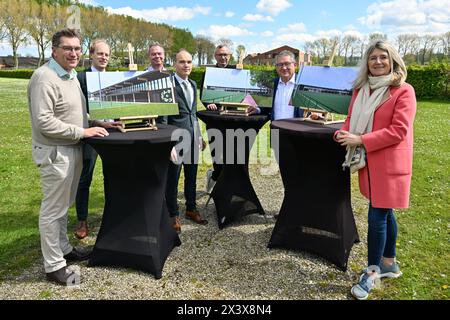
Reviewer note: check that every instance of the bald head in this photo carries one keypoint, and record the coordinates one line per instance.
(183, 64)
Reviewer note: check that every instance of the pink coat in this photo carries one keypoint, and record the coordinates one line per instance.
(386, 179)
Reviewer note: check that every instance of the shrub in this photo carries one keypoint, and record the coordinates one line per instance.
(431, 80)
(20, 73)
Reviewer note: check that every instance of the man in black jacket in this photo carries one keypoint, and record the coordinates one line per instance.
(99, 53)
(186, 95)
(222, 54)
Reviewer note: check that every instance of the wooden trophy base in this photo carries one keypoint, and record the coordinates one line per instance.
(319, 116)
(130, 124)
(234, 109)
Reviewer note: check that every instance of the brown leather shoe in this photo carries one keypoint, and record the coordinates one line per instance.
(176, 224)
(82, 230)
(196, 217)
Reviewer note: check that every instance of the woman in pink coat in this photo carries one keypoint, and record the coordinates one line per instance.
(378, 135)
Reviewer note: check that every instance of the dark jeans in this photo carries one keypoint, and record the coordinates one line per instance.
(82, 198)
(190, 187)
(382, 235)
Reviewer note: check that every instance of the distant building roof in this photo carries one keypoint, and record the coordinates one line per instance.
(24, 62)
(268, 56)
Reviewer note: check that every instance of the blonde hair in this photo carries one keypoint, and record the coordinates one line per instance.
(94, 44)
(398, 68)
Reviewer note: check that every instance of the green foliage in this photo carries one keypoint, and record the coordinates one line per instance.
(431, 80)
(423, 228)
(182, 39)
(18, 74)
(197, 75)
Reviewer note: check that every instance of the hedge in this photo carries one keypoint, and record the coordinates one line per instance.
(430, 81)
(19, 73)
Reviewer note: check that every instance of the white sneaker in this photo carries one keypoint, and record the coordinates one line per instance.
(209, 185)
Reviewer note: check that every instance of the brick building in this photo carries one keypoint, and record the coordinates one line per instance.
(267, 58)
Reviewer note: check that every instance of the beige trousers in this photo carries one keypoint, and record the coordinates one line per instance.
(60, 169)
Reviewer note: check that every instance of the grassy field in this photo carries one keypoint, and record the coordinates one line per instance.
(423, 244)
(125, 109)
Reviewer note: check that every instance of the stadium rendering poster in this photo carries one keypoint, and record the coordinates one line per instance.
(253, 87)
(112, 95)
(324, 88)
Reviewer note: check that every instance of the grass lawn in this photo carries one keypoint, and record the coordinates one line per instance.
(423, 243)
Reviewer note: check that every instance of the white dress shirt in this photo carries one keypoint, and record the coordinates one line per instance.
(189, 87)
(281, 107)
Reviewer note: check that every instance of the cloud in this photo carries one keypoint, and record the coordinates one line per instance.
(328, 33)
(259, 47)
(257, 17)
(354, 33)
(273, 7)
(295, 37)
(293, 27)
(229, 14)
(408, 16)
(162, 14)
(89, 2)
(267, 33)
(225, 31)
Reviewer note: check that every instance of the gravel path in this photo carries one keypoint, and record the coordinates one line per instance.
(232, 263)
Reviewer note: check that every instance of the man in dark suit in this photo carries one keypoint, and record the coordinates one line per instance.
(99, 53)
(222, 54)
(285, 65)
(186, 95)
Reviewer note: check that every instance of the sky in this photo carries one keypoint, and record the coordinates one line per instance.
(261, 25)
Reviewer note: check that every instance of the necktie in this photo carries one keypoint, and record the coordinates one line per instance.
(187, 93)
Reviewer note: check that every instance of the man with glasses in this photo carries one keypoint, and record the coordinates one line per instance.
(59, 121)
(222, 55)
(283, 87)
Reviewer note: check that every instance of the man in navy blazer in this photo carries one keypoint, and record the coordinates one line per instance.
(283, 87)
(99, 52)
(186, 95)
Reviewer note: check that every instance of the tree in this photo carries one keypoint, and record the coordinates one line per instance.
(262, 79)
(348, 43)
(205, 49)
(14, 16)
(428, 42)
(323, 45)
(182, 39)
(377, 36)
(43, 22)
(406, 43)
(445, 38)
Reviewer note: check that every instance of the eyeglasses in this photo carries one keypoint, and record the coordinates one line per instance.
(284, 64)
(223, 55)
(70, 49)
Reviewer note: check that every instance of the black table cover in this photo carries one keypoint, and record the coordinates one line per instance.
(135, 230)
(233, 193)
(316, 214)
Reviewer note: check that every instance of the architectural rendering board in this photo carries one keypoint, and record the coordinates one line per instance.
(324, 88)
(114, 95)
(252, 87)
